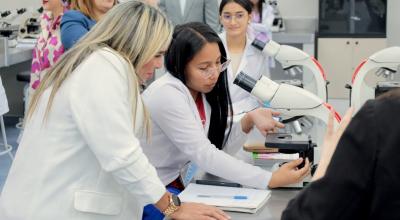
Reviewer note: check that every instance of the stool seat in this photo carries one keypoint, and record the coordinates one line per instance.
(24, 77)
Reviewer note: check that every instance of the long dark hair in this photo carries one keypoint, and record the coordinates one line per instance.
(188, 39)
(246, 4)
(260, 8)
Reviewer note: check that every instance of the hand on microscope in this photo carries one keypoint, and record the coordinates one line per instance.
(288, 173)
(331, 140)
(262, 119)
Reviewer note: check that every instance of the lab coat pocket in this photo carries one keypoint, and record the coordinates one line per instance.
(98, 202)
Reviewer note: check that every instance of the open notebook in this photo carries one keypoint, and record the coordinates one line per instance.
(227, 198)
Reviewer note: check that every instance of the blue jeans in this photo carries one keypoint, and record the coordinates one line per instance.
(150, 212)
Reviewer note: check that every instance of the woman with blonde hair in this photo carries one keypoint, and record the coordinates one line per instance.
(79, 157)
(83, 16)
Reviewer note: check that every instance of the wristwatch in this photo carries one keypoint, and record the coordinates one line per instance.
(174, 204)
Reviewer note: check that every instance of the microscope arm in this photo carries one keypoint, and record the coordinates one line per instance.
(387, 61)
(289, 100)
(291, 57)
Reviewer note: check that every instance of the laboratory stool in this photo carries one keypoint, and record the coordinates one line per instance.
(24, 77)
(4, 109)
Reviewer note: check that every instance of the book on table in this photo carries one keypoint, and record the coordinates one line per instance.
(226, 198)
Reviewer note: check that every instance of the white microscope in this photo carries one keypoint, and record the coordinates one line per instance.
(290, 101)
(8, 26)
(385, 63)
(292, 59)
(30, 25)
(277, 24)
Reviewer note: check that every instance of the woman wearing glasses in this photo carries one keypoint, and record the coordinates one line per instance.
(190, 107)
(235, 16)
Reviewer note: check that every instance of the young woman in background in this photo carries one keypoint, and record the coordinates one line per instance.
(49, 47)
(262, 19)
(83, 16)
(235, 16)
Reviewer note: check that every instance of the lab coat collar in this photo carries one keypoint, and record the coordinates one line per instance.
(248, 51)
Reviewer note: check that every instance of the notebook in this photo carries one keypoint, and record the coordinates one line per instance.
(226, 198)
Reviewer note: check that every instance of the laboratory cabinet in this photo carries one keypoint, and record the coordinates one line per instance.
(341, 56)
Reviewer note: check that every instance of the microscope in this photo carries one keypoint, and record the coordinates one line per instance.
(30, 26)
(385, 63)
(8, 26)
(291, 101)
(292, 59)
(277, 24)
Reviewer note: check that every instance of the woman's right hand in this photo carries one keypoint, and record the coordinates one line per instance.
(197, 211)
(288, 173)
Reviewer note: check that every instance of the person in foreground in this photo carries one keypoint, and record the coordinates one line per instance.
(79, 157)
(190, 110)
(359, 173)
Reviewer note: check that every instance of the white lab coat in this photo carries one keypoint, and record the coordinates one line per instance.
(178, 136)
(255, 64)
(84, 162)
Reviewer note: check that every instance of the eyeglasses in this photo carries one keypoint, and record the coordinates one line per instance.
(238, 17)
(209, 71)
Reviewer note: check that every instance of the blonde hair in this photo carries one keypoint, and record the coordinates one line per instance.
(133, 29)
(86, 7)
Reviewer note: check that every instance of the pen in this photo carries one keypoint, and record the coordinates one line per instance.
(217, 183)
(237, 197)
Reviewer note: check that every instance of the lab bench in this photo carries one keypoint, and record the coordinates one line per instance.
(10, 56)
(272, 210)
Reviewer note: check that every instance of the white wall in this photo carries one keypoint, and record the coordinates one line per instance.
(393, 23)
(298, 8)
(14, 4)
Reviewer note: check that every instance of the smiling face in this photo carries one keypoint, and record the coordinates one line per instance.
(235, 19)
(202, 71)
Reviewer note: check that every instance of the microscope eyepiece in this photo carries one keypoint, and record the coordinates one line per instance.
(245, 82)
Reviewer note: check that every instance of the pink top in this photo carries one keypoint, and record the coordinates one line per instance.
(48, 48)
(256, 17)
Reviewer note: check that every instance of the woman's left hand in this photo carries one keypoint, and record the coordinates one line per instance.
(331, 140)
(263, 119)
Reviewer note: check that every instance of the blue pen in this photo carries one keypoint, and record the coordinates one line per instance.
(237, 197)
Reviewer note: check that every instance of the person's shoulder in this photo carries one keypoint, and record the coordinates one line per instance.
(165, 81)
(167, 84)
(74, 14)
(387, 102)
(108, 55)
